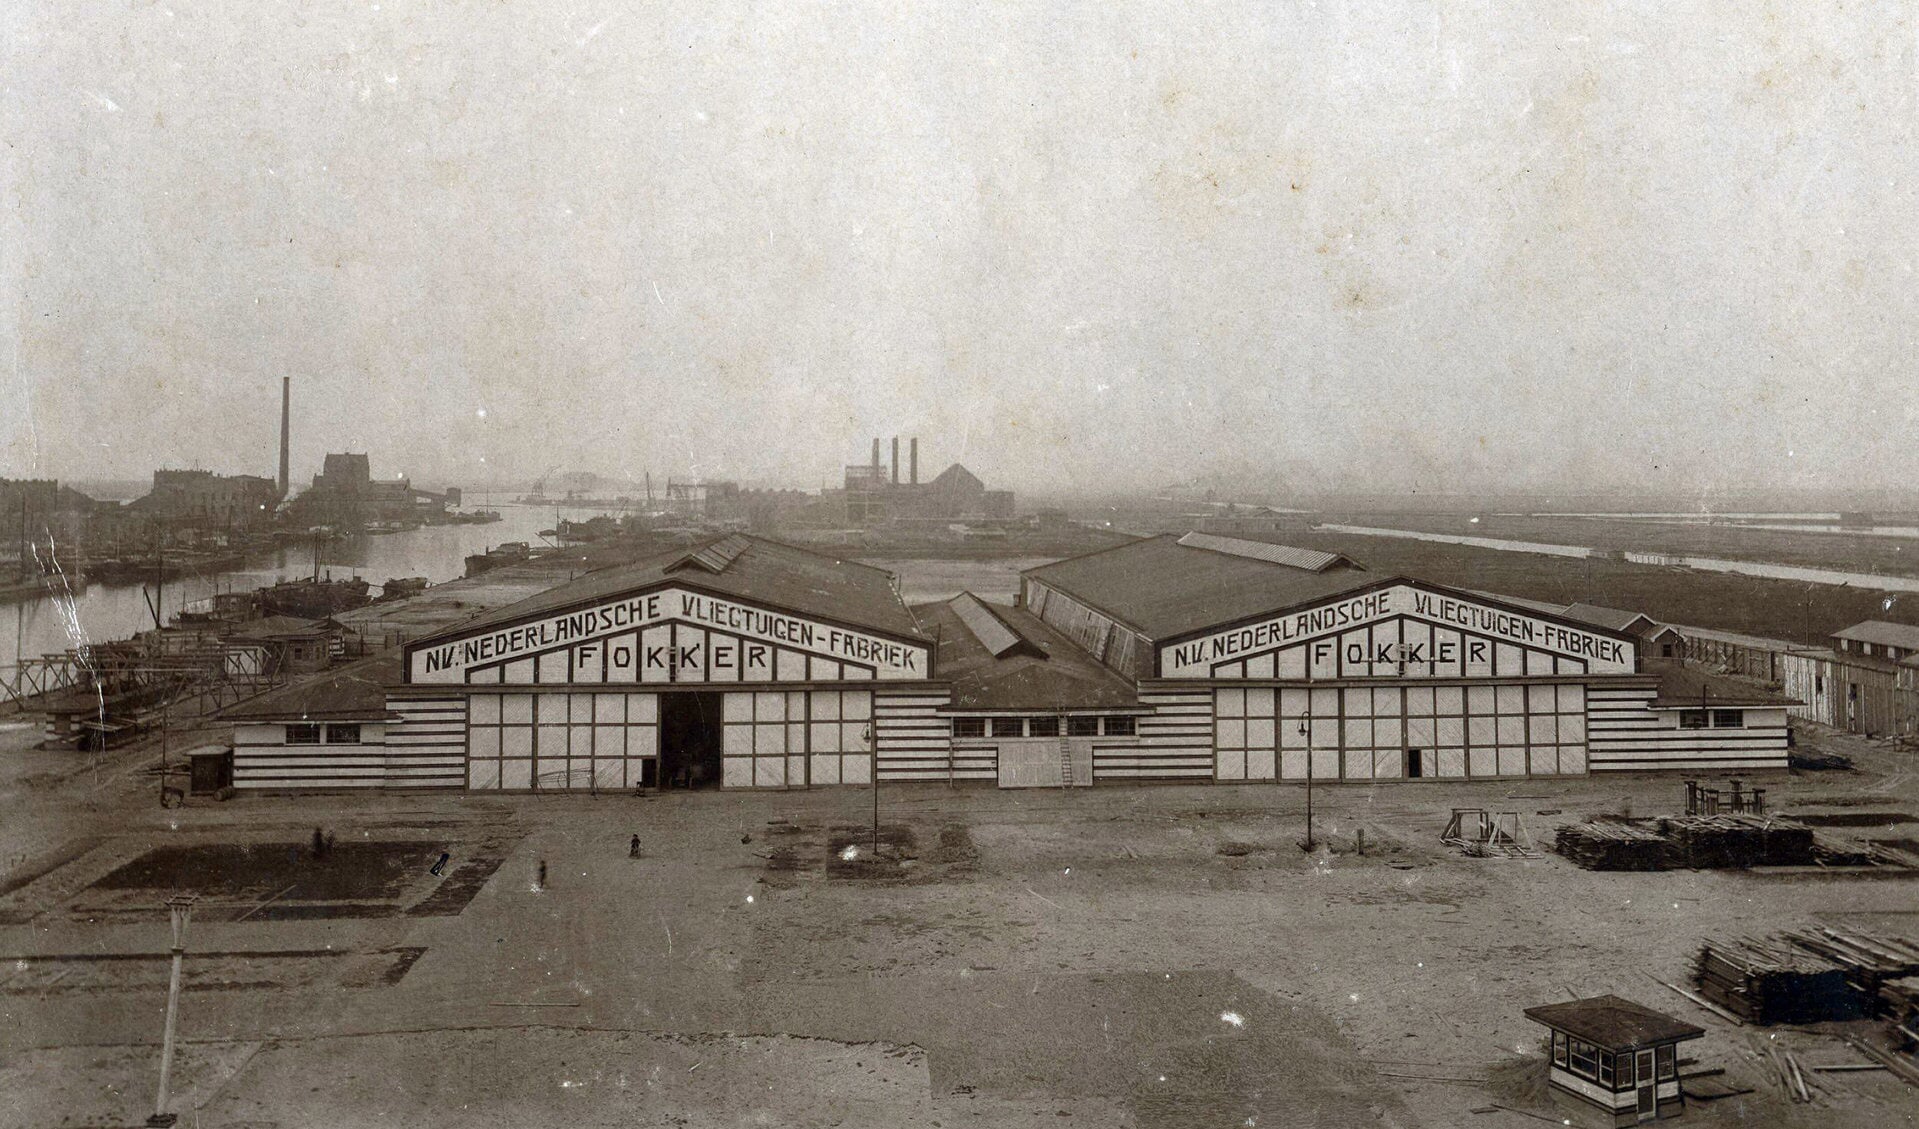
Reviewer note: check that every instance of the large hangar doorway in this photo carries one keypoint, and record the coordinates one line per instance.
(690, 740)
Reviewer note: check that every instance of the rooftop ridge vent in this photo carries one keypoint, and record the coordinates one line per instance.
(993, 633)
(1311, 560)
(715, 557)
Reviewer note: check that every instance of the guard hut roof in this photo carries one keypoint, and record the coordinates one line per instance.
(1613, 1023)
(1001, 658)
(1163, 586)
(751, 568)
(355, 692)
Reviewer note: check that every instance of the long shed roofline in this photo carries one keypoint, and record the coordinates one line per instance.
(671, 580)
(1386, 582)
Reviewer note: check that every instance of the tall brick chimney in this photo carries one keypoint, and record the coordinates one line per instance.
(896, 460)
(913, 459)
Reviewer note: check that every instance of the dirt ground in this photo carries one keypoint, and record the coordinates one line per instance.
(1119, 956)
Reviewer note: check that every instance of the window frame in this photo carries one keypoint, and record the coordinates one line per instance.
(1695, 719)
(1580, 1049)
(1665, 1062)
(969, 728)
(1042, 725)
(1082, 725)
(1559, 1048)
(303, 728)
(1720, 719)
(1001, 724)
(1119, 725)
(340, 727)
(1606, 1073)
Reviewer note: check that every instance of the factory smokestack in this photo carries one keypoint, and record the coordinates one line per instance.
(896, 460)
(286, 401)
(876, 456)
(913, 459)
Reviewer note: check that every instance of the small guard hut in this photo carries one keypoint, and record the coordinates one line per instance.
(1616, 1055)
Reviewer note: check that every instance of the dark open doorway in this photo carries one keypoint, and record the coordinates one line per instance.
(1415, 764)
(690, 740)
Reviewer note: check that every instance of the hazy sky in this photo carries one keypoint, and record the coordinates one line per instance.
(1663, 246)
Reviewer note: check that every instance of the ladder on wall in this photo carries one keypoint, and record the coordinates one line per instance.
(1065, 762)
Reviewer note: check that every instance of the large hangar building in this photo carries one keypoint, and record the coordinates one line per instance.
(745, 663)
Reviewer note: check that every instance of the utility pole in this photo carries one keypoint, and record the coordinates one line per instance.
(1306, 731)
(873, 753)
(179, 909)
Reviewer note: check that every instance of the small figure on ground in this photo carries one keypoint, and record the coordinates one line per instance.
(633, 848)
(319, 843)
(440, 867)
(540, 882)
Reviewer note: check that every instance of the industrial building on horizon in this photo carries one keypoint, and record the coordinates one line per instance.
(873, 496)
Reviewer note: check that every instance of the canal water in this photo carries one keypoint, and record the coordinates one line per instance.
(437, 552)
(1869, 580)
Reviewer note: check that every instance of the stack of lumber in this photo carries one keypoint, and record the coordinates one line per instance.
(1737, 840)
(1614, 844)
(1870, 961)
(1815, 760)
(1767, 982)
(1828, 850)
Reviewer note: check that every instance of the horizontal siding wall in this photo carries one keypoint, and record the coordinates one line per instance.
(426, 748)
(912, 741)
(1625, 734)
(263, 761)
(1175, 741)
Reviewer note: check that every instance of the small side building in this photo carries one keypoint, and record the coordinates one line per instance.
(1618, 1056)
(329, 731)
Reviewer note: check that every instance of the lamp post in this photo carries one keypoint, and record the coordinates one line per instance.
(179, 910)
(1306, 731)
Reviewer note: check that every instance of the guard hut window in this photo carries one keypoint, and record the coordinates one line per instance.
(303, 734)
(1043, 727)
(1692, 719)
(1119, 726)
(1583, 1061)
(1559, 1047)
(1729, 719)
(969, 727)
(1082, 727)
(342, 734)
(1009, 726)
(1605, 1068)
(1666, 1062)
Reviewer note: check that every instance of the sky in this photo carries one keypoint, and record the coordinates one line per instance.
(1407, 245)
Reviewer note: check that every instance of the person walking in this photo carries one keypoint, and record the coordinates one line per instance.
(633, 848)
(540, 882)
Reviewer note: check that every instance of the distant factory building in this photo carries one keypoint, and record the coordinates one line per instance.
(874, 495)
(745, 663)
(345, 494)
(201, 497)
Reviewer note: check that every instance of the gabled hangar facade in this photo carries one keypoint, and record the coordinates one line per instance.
(745, 663)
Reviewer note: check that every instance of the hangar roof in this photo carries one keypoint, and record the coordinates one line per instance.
(1039, 669)
(1161, 587)
(751, 568)
(1688, 687)
(355, 692)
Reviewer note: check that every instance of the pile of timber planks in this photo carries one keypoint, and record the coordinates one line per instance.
(1614, 844)
(1737, 840)
(1869, 960)
(1773, 981)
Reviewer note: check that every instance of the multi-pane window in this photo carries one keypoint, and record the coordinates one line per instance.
(1728, 719)
(1666, 1066)
(1120, 725)
(1585, 1059)
(1082, 726)
(1042, 727)
(343, 734)
(303, 734)
(969, 727)
(1692, 719)
(1244, 734)
(1009, 727)
(1559, 1047)
(561, 742)
(838, 727)
(765, 739)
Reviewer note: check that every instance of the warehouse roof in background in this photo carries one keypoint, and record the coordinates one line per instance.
(1312, 560)
(1901, 635)
(1045, 672)
(751, 568)
(1162, 586)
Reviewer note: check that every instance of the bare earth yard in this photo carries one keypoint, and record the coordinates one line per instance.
(1119, 956)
